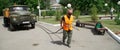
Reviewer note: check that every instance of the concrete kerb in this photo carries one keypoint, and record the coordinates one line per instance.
(113, 35)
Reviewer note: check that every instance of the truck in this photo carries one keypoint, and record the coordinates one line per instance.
(18, 15)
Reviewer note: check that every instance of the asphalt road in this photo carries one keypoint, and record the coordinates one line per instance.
(43, 38)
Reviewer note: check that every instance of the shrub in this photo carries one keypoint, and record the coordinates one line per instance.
(117, 19)
(76, 13)
(58, 15)
(50, 13)
(94, 16)
(44, 14)
(64, 10)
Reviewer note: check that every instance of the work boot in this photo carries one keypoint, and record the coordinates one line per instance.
(64, 42)
(68, 46)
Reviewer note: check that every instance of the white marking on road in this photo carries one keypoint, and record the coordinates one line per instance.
(56, 25)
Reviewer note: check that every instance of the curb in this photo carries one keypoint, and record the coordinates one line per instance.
(113, 35)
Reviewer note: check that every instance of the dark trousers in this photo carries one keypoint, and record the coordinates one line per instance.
(111, 13)
(6, 21)
(67, 35)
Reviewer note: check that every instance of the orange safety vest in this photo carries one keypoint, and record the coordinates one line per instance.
(7, 13)
(67, 24)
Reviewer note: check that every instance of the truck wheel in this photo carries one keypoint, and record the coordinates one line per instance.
(11, 27)
(33, 25)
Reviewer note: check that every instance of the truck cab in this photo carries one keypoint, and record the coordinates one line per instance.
(19, 15)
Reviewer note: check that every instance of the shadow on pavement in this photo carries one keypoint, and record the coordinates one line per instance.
(94, 32)
(57, 42)
(21, 28)
(36, 44)
(18, 28)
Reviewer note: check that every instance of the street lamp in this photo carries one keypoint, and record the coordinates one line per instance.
(38, 7)
(69, 5)
(118, 3)
(106, 4)
(106, 9)
(65, 7)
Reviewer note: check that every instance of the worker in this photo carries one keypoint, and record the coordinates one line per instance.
(66, 25)
(99, 28)
(78, 23)
(111, 12)
(6, 16)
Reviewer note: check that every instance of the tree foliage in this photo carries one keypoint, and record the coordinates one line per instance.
(94, 16)
(31, 3)
(77, 13)
(117, 19)
(85, 5)
(58, 15)
(2, 5)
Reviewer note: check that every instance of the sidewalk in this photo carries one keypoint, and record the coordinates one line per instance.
(84, 39)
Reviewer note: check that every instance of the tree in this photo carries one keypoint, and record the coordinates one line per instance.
(44, 14)
(84, 5)
(58, 15)
(117, 19)
(94, 16)
(3, 4)
(76, 13)
(31, 3)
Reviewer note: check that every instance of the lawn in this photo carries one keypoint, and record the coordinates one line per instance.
(108, 23)
(49, 20)
(112, 25)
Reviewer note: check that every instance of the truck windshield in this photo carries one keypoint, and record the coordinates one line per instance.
(19, 8)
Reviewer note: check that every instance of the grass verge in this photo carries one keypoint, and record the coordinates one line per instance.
(108, 23)
(49, 20)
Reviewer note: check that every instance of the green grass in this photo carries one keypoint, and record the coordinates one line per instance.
(85, 19)
(108, 23)
(111, 25)
(50, 20)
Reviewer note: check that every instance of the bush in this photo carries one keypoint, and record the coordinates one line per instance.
(58, 15)
(94, 16)
(76, 13)
(50, 13)
(64, 10)
(44, 14)
(117, 19)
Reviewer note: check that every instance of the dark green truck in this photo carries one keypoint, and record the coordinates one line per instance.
(20, 16)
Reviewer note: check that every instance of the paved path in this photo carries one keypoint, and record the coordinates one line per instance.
(42, 39)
